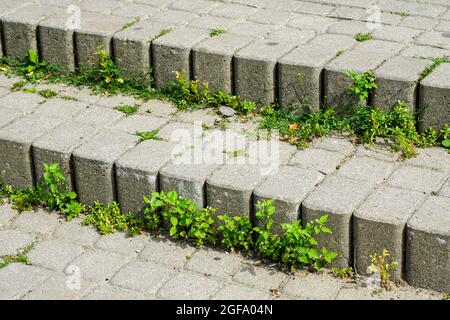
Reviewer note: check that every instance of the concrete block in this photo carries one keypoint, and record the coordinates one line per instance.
(260, 277)
(172, 53)
(443, 26)
(427, 245)
(213, 60)
(314, 8)
(122, 243)
(337, 197)
(323, 161)
(135, 123)
(214, 263)
(366, 56)
(7, 214)
(54, 254)
(310, 22)
(300, 72)
(396, 34)
(132, 47)
(284, 34)
(434, 103)
(232, 11)
(38, 221)
(445, 190)
(16, 161)
(350, 27)
(137, 173)
(240, 292)
(158, 108)
(255, 70)
(175, 17)
(138, 11)
(416, 22)
(252, 29)
(288, 188)
(75, 232)
(60, 109)
(230, 188)
(407, 177)
(57, 146)
(94, 165)
(397, 80)
(210, 23)
(100, 6)
(424, 52)
(12, 241)
(198, 7)
(96, 31)
(270, 16)
(313, 287)
(113, 101)
(167, 252)
(8, 115)
(21, 101)
(434, 39)
(367, 169)
(99, 117)
(349, 13)
(335, 144)
(20, 28)
(413, 8)
(109, 292)
(380, 222)
(189, 286)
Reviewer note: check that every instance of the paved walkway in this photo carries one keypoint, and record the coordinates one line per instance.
(71, 261)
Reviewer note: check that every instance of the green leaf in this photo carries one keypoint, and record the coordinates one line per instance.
(446, 143)
(173, 231)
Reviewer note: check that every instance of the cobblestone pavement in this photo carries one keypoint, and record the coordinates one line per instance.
(71, 261)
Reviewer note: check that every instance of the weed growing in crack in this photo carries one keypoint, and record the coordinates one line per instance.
(361, 37)
(128, 110)
(436, 62)
(216, 32)
(343, 272)
(47, 93)
(148, 135)
(363, 84)
(402, 14)
(20, 257)
(379, 264)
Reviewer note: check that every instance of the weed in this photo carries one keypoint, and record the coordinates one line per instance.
(131, 23)
(128, 110)
(26, 199)
(267, 243)
(235, 232)
(435, 63)
(446, 296)
(18, 85)
(148, 135)
(47, 93)
(402, 14)
(163, 32)
(363, 84)
(20, 257)
(216, 32)
(30, 90)
(379, 264)
(343, 272)
(340, 52)
(361, 37)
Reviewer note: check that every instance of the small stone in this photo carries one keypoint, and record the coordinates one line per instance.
(227, 111)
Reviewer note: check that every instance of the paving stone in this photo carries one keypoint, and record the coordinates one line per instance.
(232, 11)
(320, 160)
(432, 158)
(137, 11)
(187, 286)
(428, 236)
(351, 292)
(214, 263)
(75, 232)
(100, 6)
(60, 287)
(7, 214)
(288, 188)
(313, 8)
(260, 277)
(170, 253)
(108, 292)
(158, 108)
(12, 241)
(139, 123)
(367, 169)
(335, 144)
(7, 116)
(15, 148)
(434, 39)
(252, 29)
(94, 165)
(99, 117)
(397, 81)
(57, 146)
(60, 109)
(300, 72)
(414, 8)
(310, 22)
(213, 57)
(145, 277)
(379, 223)
(347, 13)
(445, 190)
(424, 52)
(20, 28)
(229, 189)
(270, 16)
(443, 26)
(183, 134)
(290, 35)
(18, 279)
(350, 27)
(377, 152)
(172, 53)
(199, 6)
(122, 243)
(99, 265)
(81, 94)
(211, 23)
(112, 101)
(203, 116)
(96, 31)
(312, 287)
(21, 101)
(38, 221)
(407, 177)
(137, 173)
(7, 81)
(337, 197)
(366, 56)
(396, 34)
(416, 22)
(54, 254)
(174, 17)
(434, 91)
(240, 292)
(255, 70)
(132, 46)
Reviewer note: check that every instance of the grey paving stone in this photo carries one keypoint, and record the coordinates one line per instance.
(255, 70)
(260, 277)
(7, 214)
(132, 46)
(352, 292)
(240, 292)
(434, 39)
(7, 116)
(416, 22)
(21, 101)
(203, 116)
(54, 254)
(350, 27)
(122, 243)
(108, 292)
(12, 241)
(310, 22)
(366, 56)
(94, 165)
(210, 23)
(158, 108)
(312, 287)
(290, 35)
(396, 34)
(175, 17)
(214, 263)
(184, 134)
(432, 158)
(335, 144)
(379, 223)
(99, 265)
(60, 287)
(270, 16)
(397, 80)
(60, 109)
(421, 9)
(445, 190)
(337, 197)
(118, 100)
(15, 148)
(427, 239)
(96, 31)
(20, 28)
(407, 177)
(232, 11)
(229, 189)
(172, 53)
(137, 173)
(75, 232)
(367, 169)
(188, 286)
(434, 91)
(132, 10)
(443, 26)
(377, 152)
(81, 93)
(213, 58)
(100, 6)
(139, 123)
(188, 180)
(57, 146)
(320, 160)
(38, 221)
(300, 72)
(99, 117)
(424, 52)
(18, 279)
(170, 253)
(288, 188)
(347, 13)
(252, 29)
(198, 7)
(7, 81)
(141, 276)
(313, 8)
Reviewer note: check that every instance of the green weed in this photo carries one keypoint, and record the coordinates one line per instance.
(128, 110)
(148, 135)
(361, 37)
(216, 32)
(363, 84)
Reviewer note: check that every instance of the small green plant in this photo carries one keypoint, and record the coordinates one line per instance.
(235, 233)
(361, 37)
(30, 90)
(216, 32)
(340, 52)
(162, 33)
(128, 110)
(402, 14)
(267, 243)
(25, 199)
(18, 85)
(148, 135)
(446, 296)
(131, 23)
(379, 264)
(436, 62)
(343, 272)
(47, 93)
(20, 257)
(32, 66)
(363, 84)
